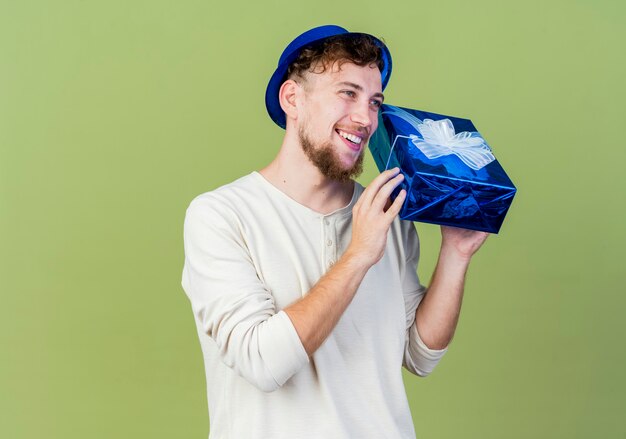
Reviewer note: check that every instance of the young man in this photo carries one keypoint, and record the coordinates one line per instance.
(303, 284)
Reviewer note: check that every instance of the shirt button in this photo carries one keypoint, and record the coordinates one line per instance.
(329, 243)
(331, 263)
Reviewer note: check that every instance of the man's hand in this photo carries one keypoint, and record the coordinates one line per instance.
(372, 216)
(463, 241)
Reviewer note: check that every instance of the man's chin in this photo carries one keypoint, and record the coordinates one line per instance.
(335, 170)
(328, 163)
(341, 173)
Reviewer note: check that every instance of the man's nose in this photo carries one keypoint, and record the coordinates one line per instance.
(362, 114)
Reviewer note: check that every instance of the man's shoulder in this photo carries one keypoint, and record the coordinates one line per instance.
(230, 195)
(228, 204)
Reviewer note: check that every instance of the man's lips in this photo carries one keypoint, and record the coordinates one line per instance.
(355, 135)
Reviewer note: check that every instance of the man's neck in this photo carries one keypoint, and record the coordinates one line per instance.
(306, 185)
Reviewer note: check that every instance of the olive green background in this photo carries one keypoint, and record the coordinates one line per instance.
(115, 114)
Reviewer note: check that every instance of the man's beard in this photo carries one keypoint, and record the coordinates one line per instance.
(324, 158)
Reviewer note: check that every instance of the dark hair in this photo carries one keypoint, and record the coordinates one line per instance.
(359, 49)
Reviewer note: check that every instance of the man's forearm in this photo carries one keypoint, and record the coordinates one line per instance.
(438, 312)
(317, 313)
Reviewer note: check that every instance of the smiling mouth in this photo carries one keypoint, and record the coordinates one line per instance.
(355, 140)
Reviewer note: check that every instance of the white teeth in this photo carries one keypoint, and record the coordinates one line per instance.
(351, 137)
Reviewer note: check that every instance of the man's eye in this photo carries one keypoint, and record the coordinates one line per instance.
(350, 93)
(376, 103)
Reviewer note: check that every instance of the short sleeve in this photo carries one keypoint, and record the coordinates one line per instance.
(229, 301)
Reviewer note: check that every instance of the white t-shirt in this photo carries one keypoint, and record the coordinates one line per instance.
(250, 251)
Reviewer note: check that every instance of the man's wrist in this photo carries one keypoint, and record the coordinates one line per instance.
(353, 259)
(453, 254)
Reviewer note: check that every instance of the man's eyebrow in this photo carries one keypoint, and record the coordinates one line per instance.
(359, 88)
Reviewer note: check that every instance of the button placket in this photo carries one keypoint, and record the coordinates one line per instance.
(331, 245)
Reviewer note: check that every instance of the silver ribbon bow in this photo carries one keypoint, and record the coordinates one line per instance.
(438, 139)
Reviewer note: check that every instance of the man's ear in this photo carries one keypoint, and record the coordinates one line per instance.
(288, 97)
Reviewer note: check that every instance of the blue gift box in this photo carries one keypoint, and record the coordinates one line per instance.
(451, 175)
